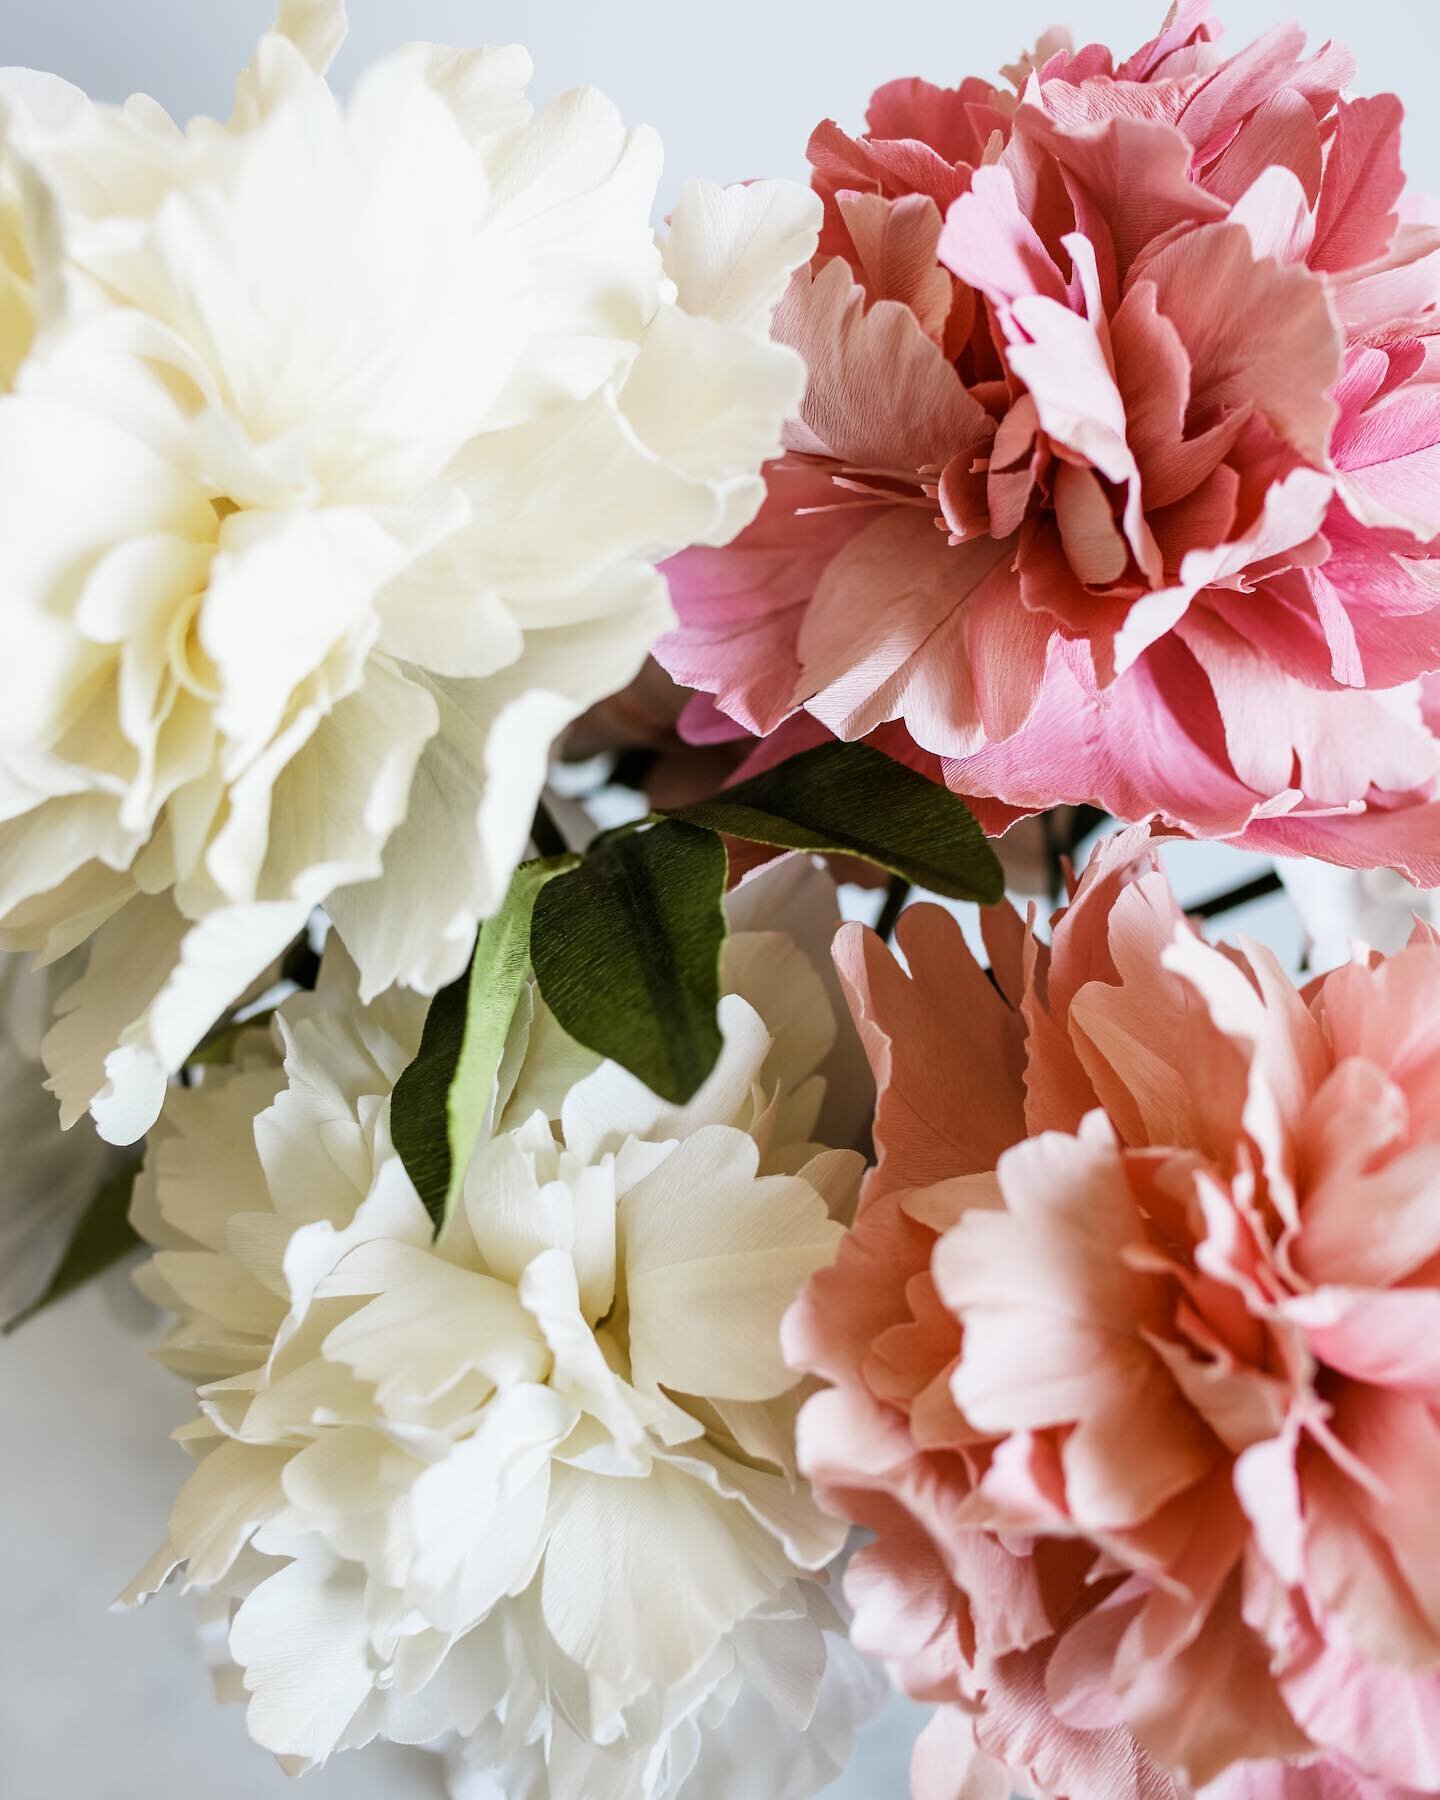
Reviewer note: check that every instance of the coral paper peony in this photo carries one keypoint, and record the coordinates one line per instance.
(528, 1488)
(339, 443)
(1116, 476)
(1134, 1356)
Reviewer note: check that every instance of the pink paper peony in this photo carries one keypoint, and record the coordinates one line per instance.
(1117, 479)
(1135, 1357)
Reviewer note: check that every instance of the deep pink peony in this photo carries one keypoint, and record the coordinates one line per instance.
(1135, 1357)
(1118, 475)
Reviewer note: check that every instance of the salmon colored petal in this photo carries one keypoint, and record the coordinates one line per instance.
(1257, 334)
(895, 254)
(880, 394)
(1356, 216)
(934, 1117)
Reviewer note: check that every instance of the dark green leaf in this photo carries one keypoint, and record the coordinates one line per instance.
(102, 1237)
(440, 1102)
(627, 947)
(851, 800)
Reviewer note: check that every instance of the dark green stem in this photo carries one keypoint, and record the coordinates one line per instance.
(546, 835)
(896, 895)
(1236, 896)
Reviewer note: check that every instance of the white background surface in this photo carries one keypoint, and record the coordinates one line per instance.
(95, 1706)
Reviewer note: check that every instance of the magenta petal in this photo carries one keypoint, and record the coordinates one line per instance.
(989, 242)
(740, 609)
(1154, 744)
(1403, 838)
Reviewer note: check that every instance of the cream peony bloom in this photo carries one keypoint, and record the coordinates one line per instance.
(339, 444)
(530, 1488)
(49, 1176)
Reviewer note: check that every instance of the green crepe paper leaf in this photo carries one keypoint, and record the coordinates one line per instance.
(103, 1236)
(852, 800)
(439, 1105)
(626, 950)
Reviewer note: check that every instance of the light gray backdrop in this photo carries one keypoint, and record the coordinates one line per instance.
(733, 85)
(94, 1707)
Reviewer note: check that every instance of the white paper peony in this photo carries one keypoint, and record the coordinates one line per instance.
(337, 448)
(530, 1488)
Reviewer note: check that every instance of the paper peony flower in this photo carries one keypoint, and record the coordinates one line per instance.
(1133, 1352)
(530, 1485)
(50, 1176)
(1115, 481)
(340, 445)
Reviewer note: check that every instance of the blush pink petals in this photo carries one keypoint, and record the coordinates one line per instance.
(1117, 479)
(1133, 1356)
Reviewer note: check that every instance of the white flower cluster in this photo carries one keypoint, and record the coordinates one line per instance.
(528, 1488)
(339, 443)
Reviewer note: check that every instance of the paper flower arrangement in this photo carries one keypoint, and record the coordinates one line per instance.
(459, 630)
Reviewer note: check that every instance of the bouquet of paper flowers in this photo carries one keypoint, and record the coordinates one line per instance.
(465, 651)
